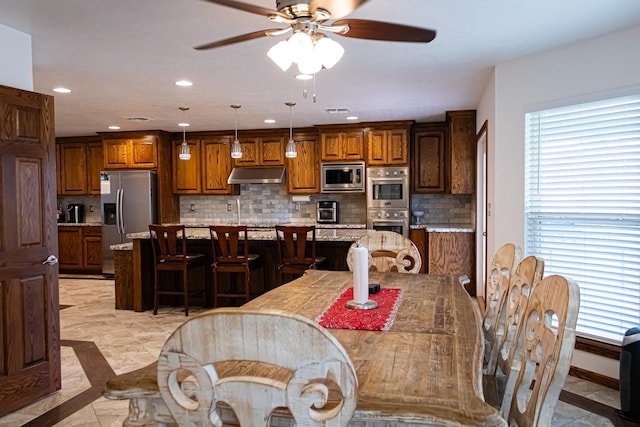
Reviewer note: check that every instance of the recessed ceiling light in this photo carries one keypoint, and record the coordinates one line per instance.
(61, 90)
(351, 117)
(269, 121)
(114, 127)
(304, 76)
(183, 124)
(184, 83)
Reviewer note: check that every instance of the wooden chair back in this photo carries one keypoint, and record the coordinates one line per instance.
(229, 244)
(255, 361)
(502, 268)
(292, 244)
(168, 243)
(388, 251)
(527, 275)
(544, 348)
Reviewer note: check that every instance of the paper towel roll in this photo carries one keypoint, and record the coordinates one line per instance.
(360, 274)
(297, 198)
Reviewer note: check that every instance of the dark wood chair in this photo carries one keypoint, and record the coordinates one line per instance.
(296, 250)
(230, 248)
(170, 256)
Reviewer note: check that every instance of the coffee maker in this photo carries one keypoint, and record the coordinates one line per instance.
(75, 213)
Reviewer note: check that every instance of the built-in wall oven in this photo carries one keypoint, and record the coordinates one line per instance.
(388, 199)
(388, 187)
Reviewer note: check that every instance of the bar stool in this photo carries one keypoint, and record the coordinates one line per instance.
(230, 248)
(170, 255)
(295, 256)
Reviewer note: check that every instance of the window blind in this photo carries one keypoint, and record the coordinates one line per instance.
(582, 207)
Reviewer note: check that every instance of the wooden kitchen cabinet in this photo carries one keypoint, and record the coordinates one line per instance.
(341, 143)
(186, 177)
(70, 248)
(92, 248)
(216, 166)
(452, 253)
(388, 144)
(208, 169)
(462, 136)
(428, 158)
(264, 150)
(79, 162)
(419, 238)
(139, 152)
(303, 170)
(79, 249)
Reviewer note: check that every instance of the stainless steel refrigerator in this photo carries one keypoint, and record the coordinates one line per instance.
(129, 205)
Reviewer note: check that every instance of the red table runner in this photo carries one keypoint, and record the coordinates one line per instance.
(338, 316)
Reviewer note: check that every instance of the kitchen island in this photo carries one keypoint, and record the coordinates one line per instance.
(331, 243)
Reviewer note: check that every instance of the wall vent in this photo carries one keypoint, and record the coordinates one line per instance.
(342, 110)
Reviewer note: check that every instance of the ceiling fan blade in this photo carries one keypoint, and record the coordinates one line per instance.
(337, 8)
(378, 30)
(237, 39)
(246, 7)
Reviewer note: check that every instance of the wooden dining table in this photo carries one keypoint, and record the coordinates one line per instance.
(425, 369)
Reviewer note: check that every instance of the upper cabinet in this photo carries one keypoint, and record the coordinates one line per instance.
(388, 143)
(462, 135)
(304, 169)
(443, 155)
(208, 169)
(136, 152)
(428, 158)
(262, 150)
(78, 165)
(338, 143)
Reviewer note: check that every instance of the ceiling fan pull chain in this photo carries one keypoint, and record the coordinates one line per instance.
(314, 89)
(304, 89)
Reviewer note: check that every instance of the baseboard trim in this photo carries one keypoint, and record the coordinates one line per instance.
(594, 377)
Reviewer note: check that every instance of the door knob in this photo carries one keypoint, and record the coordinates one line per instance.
(51, 260)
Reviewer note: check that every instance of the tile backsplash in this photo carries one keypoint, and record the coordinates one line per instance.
(91, 204)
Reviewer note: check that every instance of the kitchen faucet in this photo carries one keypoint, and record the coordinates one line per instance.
(238, 209)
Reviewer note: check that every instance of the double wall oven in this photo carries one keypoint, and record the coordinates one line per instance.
(388, 199)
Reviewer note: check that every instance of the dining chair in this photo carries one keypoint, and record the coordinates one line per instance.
(544, 347)
(254, 361)
(296, 250)
(503, 265)
(388, 251)
(170, 256)
(527, 275)
(230, 249)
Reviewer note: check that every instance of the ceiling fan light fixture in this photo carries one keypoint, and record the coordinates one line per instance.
(300, 46)
(281, 55)
(309, 64)
(328, 51)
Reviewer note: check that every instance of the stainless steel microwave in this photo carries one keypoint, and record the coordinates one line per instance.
(342, 177)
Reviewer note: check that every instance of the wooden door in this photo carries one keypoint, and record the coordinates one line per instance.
(73, 168)
(144, 153)
(377, 148)
(94, 166)
(272, 151)
(186, 173)
(216, 166)
(303, 170)
(428, 158)
(69, 248)
(29, 307)
(397, 142)
(353, 145)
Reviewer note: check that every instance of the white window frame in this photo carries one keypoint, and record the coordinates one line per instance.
(582, 207)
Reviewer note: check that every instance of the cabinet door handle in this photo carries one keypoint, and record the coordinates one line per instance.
(51, 260)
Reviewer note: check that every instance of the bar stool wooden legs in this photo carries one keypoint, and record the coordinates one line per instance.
(230, 250)
(170, 255)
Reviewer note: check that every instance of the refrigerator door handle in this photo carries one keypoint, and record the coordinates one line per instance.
(120, 221)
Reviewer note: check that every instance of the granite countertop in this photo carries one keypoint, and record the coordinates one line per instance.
(271, 226)
(79, 224)
(435, 228)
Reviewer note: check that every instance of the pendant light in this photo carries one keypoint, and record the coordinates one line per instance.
(185, 152)
(236, 148)
(290, 152)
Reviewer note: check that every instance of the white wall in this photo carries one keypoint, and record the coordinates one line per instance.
(16, 70)
(603, 67)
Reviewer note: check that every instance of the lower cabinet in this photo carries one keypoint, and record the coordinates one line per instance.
(80, 249)
(447, 252)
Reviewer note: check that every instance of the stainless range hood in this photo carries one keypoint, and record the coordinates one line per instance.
(257, 175)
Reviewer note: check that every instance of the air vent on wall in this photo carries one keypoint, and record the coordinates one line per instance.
(337, 110)
(139, 119)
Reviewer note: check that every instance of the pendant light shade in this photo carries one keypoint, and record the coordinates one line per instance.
(310, 50)
(185, 152)
(236, 148)
(290, 152)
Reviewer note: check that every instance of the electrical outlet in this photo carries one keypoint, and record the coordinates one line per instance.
(192, 208)
(228, 206)
(90, 208)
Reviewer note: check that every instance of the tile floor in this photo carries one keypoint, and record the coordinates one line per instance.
(111, 341)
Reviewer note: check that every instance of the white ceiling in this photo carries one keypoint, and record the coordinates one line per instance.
(120, 58)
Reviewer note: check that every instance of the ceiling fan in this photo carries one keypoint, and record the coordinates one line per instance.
(310, 17)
